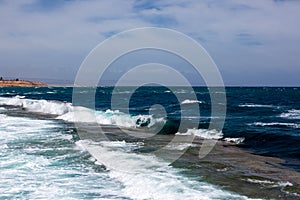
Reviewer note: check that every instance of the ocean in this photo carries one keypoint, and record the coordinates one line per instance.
(46, 152)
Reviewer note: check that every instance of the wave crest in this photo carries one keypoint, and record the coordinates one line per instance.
(67, 112)
(203, 133)
(38, 106)
(188, 101)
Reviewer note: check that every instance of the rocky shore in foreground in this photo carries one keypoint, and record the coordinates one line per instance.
(20, 83)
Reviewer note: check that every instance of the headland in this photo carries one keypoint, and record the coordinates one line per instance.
(20, 83)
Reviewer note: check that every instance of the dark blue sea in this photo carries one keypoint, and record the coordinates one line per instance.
(50, 152)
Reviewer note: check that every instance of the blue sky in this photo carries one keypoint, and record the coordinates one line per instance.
(253, 42)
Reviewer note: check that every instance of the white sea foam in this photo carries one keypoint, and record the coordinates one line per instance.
(188, 101)
(250, 105)
(148, 177)
(235, 140)
(292, 125)
(181, 91)
(67, 112)
(284, 184)
(78, 114)
(250, 180)
(180, 146)
(269, 182)
(3, 146)
(28, 173)
(20, 97)
(33, 93)
(39, 106)
(2, 116)
(203, 133)
(291, 114)
(110, 117)
(10, 93)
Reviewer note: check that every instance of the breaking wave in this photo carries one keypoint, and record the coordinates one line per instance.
(37, 106)
(67, 112)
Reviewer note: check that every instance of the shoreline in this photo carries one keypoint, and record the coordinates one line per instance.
(21, 83)
(228, 166)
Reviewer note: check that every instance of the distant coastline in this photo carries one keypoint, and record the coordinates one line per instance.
(20, 83)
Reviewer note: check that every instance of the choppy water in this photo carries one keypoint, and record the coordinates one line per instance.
(42, 156)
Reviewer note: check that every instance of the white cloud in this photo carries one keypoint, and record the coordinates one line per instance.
(241, 35)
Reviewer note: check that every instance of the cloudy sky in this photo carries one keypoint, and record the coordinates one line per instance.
(253, 42)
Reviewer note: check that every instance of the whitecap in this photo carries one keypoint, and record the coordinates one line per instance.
(52, 92)
(250, 105)
(111, 117)
(291, 114)
(235, 140)
(203, 133)
(38, 106)
(188, 101)
(292, 125)
(67, 112)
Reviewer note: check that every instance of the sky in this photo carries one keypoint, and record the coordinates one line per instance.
(253, 42)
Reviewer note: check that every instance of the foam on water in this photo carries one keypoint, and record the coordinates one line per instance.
(39, 106)
(269, 182)
(292, 125)
(67, 112)
(38, 161)
(180, 146)
(235, 140)
(110, 117)
(250, 105)
(188, 101)
(147, 177)
(181, 91)
(291, 114)
(203, 133)
(52, 92)
(33, 93)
